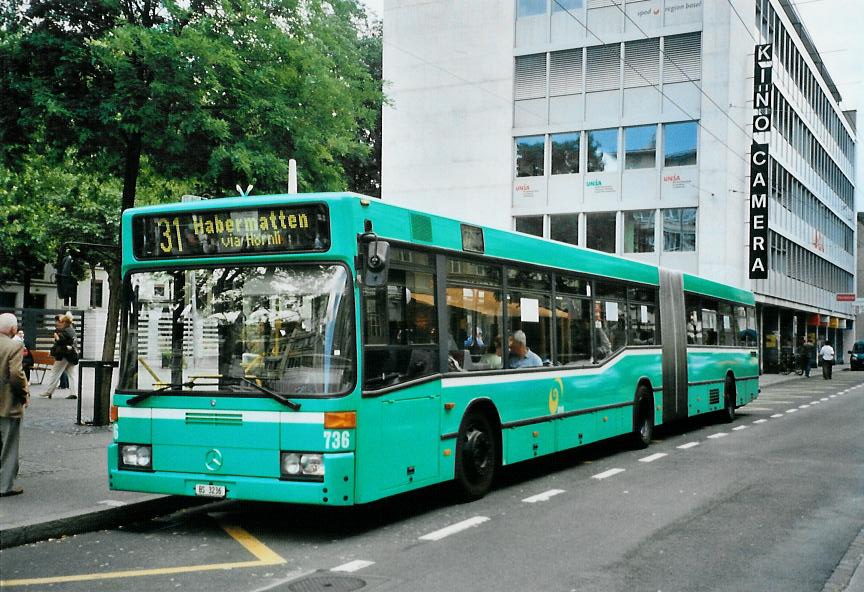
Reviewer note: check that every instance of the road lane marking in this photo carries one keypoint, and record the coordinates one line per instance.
(542, 497)
(653, 457)
(805, 406)
(688, 445)
(831, 396)
(816, 402)
(112, 503)
(454, 528)
(607, 474)
(352, 566)
(739, 428)
(263, 557)
(791, 410)
(776, 415)
(761, 420)
(748, 408)
(718, 435)
(824, 399)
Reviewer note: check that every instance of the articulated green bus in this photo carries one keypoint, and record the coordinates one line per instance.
(334, 349)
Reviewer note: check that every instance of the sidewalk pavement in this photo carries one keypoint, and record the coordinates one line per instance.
(64, 472)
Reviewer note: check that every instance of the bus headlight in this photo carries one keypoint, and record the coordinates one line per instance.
(302, 466)
(290, 464)
(136, 456)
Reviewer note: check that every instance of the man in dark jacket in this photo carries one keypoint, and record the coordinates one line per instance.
(807, 351)
(14, 397)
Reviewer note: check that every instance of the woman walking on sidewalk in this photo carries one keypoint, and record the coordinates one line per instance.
(65, 352)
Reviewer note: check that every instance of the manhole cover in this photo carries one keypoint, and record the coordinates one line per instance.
(327, 583)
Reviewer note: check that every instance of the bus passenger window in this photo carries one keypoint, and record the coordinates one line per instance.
(643, 317)
(694, 323)
(709, 323)
(401, 322)
(610, 331)
(475, 313)
(725, 324)
(573, 330)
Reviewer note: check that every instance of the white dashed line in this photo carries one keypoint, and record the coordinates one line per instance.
(688, 445)
(761, 420)
(739, 428)
(824, 399)
(718, 435)
(112, 503)
(831, 396)
(542, 497)
(791, 410)
(606, 474)
(653, 457)
(815, 402)
(355, 565)
(805, 406)
(776, 415)
(454, 528)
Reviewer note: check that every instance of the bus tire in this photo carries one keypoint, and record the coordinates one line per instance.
(643, 418)
(477, 456)
(729, 396)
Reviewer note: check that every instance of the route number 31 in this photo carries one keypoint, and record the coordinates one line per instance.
(337, 440)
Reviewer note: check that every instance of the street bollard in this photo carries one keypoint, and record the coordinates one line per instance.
(103, 370)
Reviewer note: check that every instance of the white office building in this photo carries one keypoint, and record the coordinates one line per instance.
(626, 126)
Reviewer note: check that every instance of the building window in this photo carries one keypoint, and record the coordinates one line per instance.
(679, 229)
(682, 58)
(639, 231)
(568, 5)
(679, 143)
(600, 231)
(603, 150)
(530, 76)
(529, 156)
(564, 228)
(530, 7)
(640, 147)
(529, 225)
(96, 294)
(565, 153)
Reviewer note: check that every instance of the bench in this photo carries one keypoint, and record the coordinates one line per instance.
(42, 362)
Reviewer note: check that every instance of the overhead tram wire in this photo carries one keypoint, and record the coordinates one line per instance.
(655, 86)
(690, 80)
(738, 14)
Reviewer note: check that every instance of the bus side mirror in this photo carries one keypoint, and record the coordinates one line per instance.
(377, 263)
(67, 285)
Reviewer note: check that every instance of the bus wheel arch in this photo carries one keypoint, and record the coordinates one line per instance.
(643, 415)
(478, 449)
(730, 398)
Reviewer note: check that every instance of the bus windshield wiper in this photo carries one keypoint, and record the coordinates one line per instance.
(272, 394)
(173, 386)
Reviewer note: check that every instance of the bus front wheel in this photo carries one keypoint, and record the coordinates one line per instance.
(476, 456)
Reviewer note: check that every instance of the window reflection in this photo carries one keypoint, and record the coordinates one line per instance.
(640, 147)
(565, 153)
(530, 156)
(603, 150)
(679, 143)
(679, 229)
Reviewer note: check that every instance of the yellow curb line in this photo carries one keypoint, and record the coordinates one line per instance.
(263, 556)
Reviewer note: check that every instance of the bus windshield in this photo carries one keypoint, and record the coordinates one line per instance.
(289, 329)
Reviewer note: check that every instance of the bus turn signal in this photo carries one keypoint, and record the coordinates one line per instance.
(340, 420)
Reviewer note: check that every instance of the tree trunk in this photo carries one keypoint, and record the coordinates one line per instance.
(115, 281)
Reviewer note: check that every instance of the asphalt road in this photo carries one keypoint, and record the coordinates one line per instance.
(770, 502)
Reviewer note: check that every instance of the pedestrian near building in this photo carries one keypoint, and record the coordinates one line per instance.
(807, 356)
(64, 378)
(827, 355)
(14, 397)
(65, 352)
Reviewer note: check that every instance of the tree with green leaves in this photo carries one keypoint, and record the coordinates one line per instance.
(212, 93)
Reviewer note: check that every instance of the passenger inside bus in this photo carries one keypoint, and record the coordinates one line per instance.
(520, 355)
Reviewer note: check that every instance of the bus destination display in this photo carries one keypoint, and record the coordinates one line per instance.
(272, 229)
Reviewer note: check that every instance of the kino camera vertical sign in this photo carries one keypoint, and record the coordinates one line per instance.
(759, 170)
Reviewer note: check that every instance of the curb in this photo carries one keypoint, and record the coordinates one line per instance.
(90, 520)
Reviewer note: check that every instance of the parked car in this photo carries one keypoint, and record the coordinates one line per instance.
(856, 356)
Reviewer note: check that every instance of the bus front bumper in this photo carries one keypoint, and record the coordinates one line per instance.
(337, 489)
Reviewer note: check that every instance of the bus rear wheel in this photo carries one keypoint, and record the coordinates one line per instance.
(643, 419)
(477, 456)
(728, 413)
